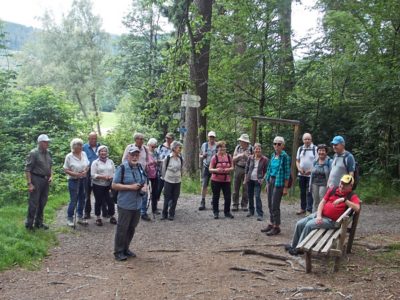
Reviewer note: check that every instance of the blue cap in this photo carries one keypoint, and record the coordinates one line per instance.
(338, 140)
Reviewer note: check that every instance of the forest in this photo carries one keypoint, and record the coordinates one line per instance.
(237, 55)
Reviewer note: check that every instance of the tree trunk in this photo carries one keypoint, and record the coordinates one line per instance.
(78, 98)
(199, 63)
(96, 112)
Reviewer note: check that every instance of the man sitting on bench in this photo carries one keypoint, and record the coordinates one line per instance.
(331, 207)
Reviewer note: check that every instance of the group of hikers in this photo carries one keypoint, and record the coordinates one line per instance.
(146, 170)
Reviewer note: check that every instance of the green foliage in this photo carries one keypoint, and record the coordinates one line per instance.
(21, 247)
(190, 185)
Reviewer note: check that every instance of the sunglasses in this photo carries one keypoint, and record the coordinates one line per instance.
(277, 144)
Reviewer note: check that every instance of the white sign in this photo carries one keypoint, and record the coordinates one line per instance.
(190, 104)
(191, 98)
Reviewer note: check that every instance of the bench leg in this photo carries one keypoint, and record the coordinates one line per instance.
(308, 262)
(337, 264)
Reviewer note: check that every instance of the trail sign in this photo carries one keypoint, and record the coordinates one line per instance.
(190, 100)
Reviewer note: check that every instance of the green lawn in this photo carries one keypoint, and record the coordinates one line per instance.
(109, 120)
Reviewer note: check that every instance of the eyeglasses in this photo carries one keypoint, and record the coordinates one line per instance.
(277, 144)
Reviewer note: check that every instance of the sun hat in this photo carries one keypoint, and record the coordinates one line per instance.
(244, 138)
(346, 179)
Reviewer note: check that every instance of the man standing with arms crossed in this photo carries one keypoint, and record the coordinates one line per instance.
(38, 175)
(207, 151)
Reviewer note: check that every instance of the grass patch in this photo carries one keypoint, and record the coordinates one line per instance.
(191, 185)
(19, 247)
(109, 120)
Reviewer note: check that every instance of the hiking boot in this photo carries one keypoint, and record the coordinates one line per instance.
(216, 215)
(70, 223)
(42, 226)
(87, 217)
(113, 220)
(249, 215)
(129, 253)
(145, 217)
(235, 208)
(293, 251)
(274, 231)
(202, 204)
(120, 256)
(83, 222)
(171, 218)
(245, 209)
(308, 213)
(29, 227)
(260, 218)
(268, 228)
(229, 215)
(288, 247)
(164, 218)
(99, 222)
(300, 212)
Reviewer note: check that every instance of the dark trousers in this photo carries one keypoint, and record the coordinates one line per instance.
(37, 201)
(171, 195)
(306, 199)
(88, 189)
(274, 202)
(103, 201)
(216, 188)
(127, 222)
(254, 189)
(160, 186)
(153, 195)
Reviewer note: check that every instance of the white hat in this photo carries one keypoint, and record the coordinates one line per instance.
(279, 139)
(244, 138)
(43, 138)
(212, 133)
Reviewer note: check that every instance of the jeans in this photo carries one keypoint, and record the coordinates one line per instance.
(254, 187)
(274, 202)
(143, 209)
(76, 188)
(306, 199)
(216, 188)
(171, 195)
(103, 199)
(238, 178)
(306, 225)
(318, 192)
(127, 222)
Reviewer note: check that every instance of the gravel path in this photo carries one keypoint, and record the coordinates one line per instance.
(183, 260)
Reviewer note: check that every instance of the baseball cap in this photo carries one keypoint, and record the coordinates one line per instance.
(279, 139)
(346, 179)
(212, 133)
(338, 140)
(133, 149)
(43, 138)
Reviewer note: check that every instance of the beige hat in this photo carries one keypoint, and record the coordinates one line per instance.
(43, 138)
(279, 139)
(244, 138)
(212, 133)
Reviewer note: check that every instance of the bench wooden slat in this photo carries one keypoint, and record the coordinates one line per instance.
(323, 241)
(330, 242)
(306, 239)
(314, 239)
(346, 213)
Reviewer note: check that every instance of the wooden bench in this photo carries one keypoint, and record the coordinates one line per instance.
(331, 242)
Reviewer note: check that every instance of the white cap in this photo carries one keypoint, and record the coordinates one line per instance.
(212, 133)
(43, 138)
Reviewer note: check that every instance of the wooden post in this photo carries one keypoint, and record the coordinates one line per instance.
(352, 232)
(340, 247)
(308, 262)
(293, 169)
(253, 131)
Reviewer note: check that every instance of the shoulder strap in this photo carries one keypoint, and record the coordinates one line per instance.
(122, 173)
(349, 195)
(333, 191)
(301, 149)
(166, 165)
(206, 147)
(314, 148)
(345, 156)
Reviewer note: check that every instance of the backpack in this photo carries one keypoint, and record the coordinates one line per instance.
(114, 193)
(250, 149)
(216, 163)
(308, 149)
(356, 175)
(168, 159)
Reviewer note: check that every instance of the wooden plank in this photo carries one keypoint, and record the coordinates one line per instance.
(306, 239)
(276, 120)
(323, 241)
(314, 239)
(346, 213)
(308, 262)
(352, 232)
(328, 245)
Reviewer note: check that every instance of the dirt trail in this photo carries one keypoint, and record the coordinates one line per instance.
(183, 260)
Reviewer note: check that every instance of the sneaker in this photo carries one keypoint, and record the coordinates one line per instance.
(120, 256)
(129, 253)
(260, 218)
(70, 223)
(249, 215)
(171, 218)
(82, 221)
(42, 226)
(293, 251)
(288, 247)
(308, 213)
(156, 212)
(87, 217)
(99, 222)
(274, 231)
(245, 209)
(300, 212)
(202, 204)
(216, 215)
(113, 220)
(235, 208)
(145, 217)
(164, 218)
(268, 228)
(229, 215)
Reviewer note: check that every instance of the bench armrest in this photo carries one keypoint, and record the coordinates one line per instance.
(341, 218)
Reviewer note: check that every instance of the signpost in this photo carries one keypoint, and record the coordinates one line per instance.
(190, 100)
